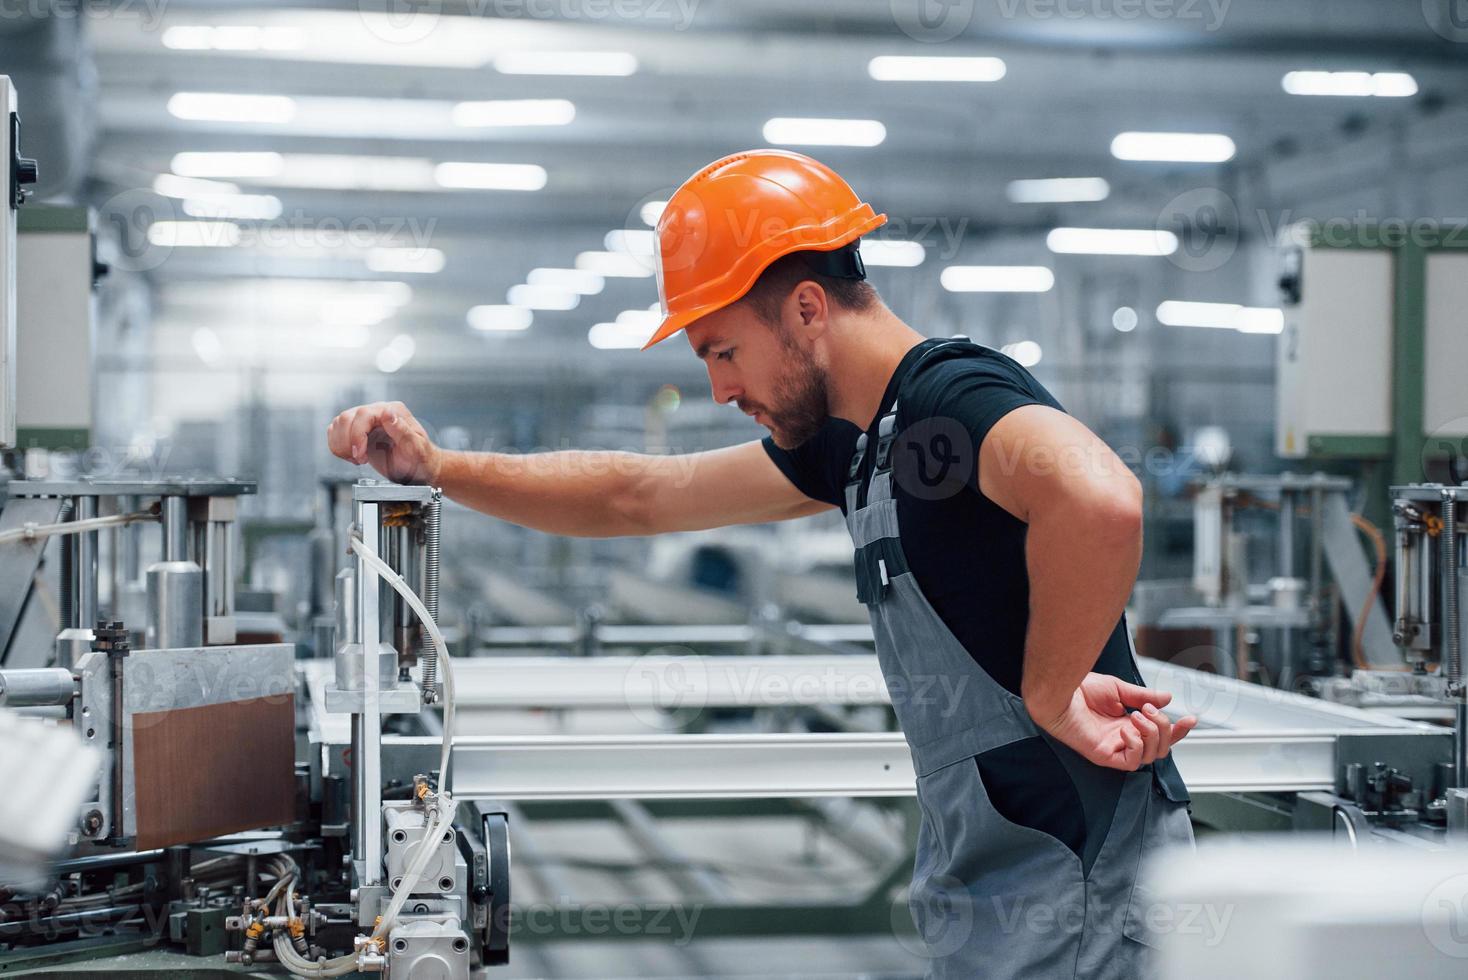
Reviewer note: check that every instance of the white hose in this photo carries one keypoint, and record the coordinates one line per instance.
(444, 808)
(29, 532)
(395, 580)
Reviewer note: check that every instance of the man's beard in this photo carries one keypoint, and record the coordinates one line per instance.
(800, 399)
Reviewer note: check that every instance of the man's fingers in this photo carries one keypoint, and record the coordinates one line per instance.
(1164, 728)
(1182, 726)
(1148, 730)
(1134, 695)
(364, 421)
(1132, 747)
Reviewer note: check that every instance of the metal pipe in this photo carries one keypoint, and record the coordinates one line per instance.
(66, 597)
(100, 862)
(1448, 556)
(433, 526)
(36, 687)
(1452, 660)
(367, 762)
(175, 528)
(175, 605)
(86, 566)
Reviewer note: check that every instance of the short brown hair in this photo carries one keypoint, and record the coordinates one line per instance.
(781, 276)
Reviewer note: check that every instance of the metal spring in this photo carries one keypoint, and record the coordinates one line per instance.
(1448, 544)
(432, 525)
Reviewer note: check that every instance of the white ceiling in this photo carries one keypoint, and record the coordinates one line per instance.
(710, 73)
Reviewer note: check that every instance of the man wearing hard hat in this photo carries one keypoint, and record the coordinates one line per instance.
(996, 538)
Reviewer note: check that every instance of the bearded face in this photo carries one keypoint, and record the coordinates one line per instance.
(799, 403)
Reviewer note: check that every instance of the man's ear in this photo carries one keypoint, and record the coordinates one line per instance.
(811, 306)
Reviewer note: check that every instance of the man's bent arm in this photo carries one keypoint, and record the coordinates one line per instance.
(1083, 546)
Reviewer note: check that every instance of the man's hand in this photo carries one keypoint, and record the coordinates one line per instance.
(1097, 725)
(386, 435)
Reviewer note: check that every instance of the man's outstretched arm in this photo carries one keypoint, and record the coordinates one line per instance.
(585, 493)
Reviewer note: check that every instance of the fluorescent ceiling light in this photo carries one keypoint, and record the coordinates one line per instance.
(542, 297)
(1253, 319)
(500, 318)
(618, 63)
(422, 260)
(490, 176)
(786, 131)
(398, 352)
(1026, 352)
(901, 68)
(1059, 190)
(1124, 319)
(226, 37)
(1386, 84)
(644, 320)
(227, 164)
(651, 212)
(351, 309)
(514, 112)
(225, 107)
(576, 280)
(618, 336)
(239, 207)
(1221, 316)
(997, 279)
(339, 171)
(617, 265)
(172, 185)
(632, 242)
(194, 234)
(1111, 241)
(891, 252)
(1174, 147)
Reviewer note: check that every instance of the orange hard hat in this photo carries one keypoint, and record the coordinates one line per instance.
(733, 218)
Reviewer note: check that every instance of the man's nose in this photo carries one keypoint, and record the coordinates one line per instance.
(724, 391)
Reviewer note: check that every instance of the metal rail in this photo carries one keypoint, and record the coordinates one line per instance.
(585, 767)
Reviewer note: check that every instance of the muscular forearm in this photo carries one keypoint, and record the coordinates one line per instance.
(581, 493)
(1082, 560)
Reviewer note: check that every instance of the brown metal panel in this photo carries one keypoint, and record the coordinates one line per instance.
(215, 769)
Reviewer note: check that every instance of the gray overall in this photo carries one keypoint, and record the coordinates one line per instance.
(991, 897)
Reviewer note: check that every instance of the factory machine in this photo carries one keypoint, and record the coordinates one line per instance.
(1430, 792)
(212, 827)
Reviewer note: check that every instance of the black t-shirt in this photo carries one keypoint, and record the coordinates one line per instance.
(966, 552)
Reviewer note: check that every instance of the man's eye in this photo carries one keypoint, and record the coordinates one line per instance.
(725, 355)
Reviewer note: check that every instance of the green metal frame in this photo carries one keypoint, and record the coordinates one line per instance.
(43, 218)
(1403, 451)
(52, 437)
